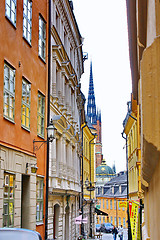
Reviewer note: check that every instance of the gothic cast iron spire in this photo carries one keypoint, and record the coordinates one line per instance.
(91, 106)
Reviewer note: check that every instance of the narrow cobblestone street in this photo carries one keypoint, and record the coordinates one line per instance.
(109, 236)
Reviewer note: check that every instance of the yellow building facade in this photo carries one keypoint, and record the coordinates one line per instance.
(131, 129)
(109, 200)
(144, 46)
(88, 178)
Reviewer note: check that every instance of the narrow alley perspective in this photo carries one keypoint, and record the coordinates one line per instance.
(79, 119)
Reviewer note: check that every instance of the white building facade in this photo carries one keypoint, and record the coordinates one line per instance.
(64, 163)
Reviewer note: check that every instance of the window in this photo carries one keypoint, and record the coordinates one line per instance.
(115, 221)
(8, 202)
(26, 95)
(118, 205)
(9, 92)
(39, 214)
(41, 112)
(112, 220)
(110, 204)
(11, 11)
(42, 38)
(100, 202)
(115, 203)
(119, 221)
(124, 222)
(107, 204)
(27, 19)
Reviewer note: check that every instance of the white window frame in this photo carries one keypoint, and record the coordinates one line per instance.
(26, 101)
(41, 115)
(111, 204)
(42, 38)
(27, 20)
(9, 90)
(8, 200)
(124, 222)
(40, 200)
(107, 203)
(10, 10)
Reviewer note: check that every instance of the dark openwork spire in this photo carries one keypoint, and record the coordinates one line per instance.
(91, 106)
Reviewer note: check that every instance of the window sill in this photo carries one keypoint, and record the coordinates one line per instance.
(39, 223)
(41, 136)
(25, 128)
(10, 21)
(42, 59)
(27, 42)
(9, 119)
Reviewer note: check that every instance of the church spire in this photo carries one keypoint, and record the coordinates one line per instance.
(91, 106)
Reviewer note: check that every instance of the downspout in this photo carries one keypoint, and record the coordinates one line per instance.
(90, 182)
(82, 224)
(48, 116)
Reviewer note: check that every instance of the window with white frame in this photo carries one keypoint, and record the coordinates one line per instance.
(39, 212)
(8, 200)
(27, 19)
(119, 221)
(111, 204)
(10, 9)
(42, 38)
(9, 92)
(118, 205)
(41, 113)
(107, 203)
(124, 222)
(26, 97)
(115, 221)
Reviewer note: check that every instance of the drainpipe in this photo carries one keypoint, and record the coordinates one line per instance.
(129, 226)
(48, 117)
(90, 234)
(82, 224)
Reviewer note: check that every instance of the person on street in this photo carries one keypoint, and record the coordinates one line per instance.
(114, 232)
(120, 232)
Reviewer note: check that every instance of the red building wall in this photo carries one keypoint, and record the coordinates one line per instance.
(98, 150)
(23, 57)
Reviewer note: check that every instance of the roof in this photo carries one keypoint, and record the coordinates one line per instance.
(104, 170)
(116, 187)
(119, 179)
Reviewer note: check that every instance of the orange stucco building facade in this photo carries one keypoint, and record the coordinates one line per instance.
(23, 109)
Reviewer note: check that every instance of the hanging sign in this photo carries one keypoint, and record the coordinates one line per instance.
(123, 204)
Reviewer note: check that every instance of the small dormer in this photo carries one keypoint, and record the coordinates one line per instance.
(120, 189)
(112, 189)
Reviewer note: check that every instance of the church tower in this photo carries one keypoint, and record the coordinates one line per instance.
(91, 106)
(94, 118)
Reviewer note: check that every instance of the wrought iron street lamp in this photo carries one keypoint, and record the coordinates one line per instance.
(50, 136)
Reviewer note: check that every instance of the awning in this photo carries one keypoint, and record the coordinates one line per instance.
(100, 212)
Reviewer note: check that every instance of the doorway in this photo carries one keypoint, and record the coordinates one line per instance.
(56, 221)
(25, 201)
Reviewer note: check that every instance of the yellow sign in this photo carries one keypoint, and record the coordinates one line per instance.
(133, 208)
(123, 204)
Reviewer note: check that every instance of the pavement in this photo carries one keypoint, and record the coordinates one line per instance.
(109, 236)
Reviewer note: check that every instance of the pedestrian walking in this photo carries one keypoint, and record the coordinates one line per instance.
(114, 232)
(120, 232)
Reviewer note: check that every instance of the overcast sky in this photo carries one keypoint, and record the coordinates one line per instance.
(103, 25)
